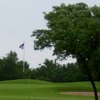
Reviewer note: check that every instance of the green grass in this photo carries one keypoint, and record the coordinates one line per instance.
(40, 90)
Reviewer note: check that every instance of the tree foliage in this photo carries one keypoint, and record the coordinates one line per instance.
(54, 72)
(71, 30)
(12, 68)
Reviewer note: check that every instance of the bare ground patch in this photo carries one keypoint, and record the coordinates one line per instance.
(80, 93)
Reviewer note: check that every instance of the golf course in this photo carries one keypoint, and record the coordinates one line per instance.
(40, 90)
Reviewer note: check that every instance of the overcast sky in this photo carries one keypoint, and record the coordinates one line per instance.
(18, 18)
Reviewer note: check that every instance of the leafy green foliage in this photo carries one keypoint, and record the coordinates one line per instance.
(54, 72)
(12, 68)
(71, 30)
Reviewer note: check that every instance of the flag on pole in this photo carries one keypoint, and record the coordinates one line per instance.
(21, 46)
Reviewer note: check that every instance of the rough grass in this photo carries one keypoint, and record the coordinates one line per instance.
(41, 90)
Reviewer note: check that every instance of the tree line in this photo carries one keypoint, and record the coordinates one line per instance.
(71, 72)
(12, 68)
(54, 72)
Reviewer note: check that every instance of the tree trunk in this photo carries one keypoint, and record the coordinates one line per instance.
(91, 79)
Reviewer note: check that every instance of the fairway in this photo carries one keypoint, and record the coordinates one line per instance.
(40, 90)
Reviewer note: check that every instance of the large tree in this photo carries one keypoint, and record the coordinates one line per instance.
(72, 30)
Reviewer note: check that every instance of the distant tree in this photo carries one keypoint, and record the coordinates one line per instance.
(72, 30)
(8, 66)
(47, 71)
(72, 72)
(81, 73)
(12, 68)
(54, 72)
(19, 69)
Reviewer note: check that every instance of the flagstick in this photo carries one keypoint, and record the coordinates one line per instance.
(23, 48)
(24, 59)
(29, 85)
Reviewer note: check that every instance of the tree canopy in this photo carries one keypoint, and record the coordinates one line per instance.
(72, 29)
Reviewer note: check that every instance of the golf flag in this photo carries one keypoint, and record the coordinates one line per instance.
(21, 46)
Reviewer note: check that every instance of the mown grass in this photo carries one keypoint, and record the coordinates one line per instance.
(40, 90)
